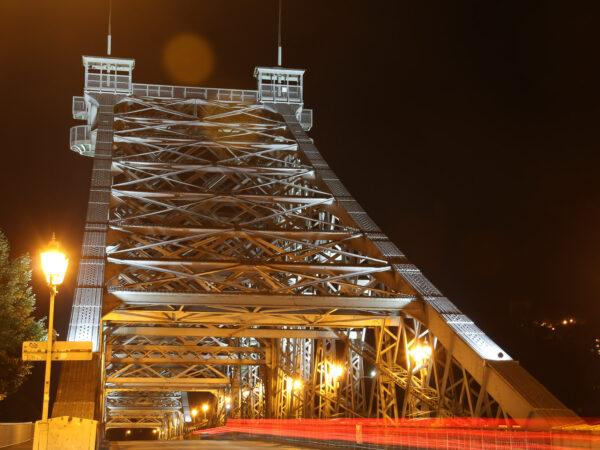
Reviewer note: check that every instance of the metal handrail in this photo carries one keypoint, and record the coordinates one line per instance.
(80, 140)
(80, 111)
(108, 82)
(281, 93)
(227, 95)
(306, 119)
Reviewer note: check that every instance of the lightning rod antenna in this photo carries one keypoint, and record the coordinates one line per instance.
(279, 50)
(108, 42)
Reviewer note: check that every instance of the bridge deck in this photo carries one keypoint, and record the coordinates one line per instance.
(216, 444)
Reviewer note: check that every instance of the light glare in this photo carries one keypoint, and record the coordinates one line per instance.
(336, 371)
(54, 264)
(420, 354)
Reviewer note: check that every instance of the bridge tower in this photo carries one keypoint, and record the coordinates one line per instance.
(222, 254)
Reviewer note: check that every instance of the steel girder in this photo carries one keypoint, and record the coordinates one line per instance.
(237, 263)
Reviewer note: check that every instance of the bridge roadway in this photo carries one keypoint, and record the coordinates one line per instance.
(194, 444)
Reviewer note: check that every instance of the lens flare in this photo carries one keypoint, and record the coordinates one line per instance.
(188, 58)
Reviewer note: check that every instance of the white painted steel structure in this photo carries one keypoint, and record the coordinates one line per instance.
(222, 254)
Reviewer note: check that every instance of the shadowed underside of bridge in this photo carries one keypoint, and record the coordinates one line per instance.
(221, 254)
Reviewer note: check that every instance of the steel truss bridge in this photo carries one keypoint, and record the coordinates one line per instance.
(222, 254)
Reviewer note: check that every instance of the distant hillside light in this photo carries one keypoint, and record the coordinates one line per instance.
(54, 263)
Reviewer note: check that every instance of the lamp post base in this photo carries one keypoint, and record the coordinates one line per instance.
(65, 432)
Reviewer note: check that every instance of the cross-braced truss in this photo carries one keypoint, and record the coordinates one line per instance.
(238, 264)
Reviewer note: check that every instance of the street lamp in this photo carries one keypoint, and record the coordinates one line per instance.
(420, 354)
(194, 413)
(204, 409)
(54, 265)
(337, 371)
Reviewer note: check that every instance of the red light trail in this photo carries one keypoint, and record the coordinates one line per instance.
(427, 433)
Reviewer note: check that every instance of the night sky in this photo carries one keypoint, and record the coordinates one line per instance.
(467, 130)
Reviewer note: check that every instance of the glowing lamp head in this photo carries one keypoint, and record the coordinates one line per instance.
(205, 407)
(54, 263)
(155, 431)
(227, 400)
(337, 371)
(194, 412)
(420, 353)
(297, 385)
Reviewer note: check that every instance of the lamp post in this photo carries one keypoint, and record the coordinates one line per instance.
(204, 409)
(54, 265)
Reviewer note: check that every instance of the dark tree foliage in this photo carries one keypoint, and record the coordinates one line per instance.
(17, 303)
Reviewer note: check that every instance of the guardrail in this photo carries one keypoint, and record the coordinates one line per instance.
(306, 119)
(224, 95)
(80, 111)
(15, 433)
(108, 82)
(280, 93)
(81, 140)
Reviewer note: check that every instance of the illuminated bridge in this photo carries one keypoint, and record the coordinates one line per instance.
(222, 255)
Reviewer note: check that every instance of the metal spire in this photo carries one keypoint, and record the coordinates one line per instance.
(108, 43)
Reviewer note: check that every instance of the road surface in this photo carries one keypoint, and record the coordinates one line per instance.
(201, 444)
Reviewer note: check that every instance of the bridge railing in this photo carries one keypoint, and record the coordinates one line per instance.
(108, 82)
(15, 433)
(226, 95)
(80, 111)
